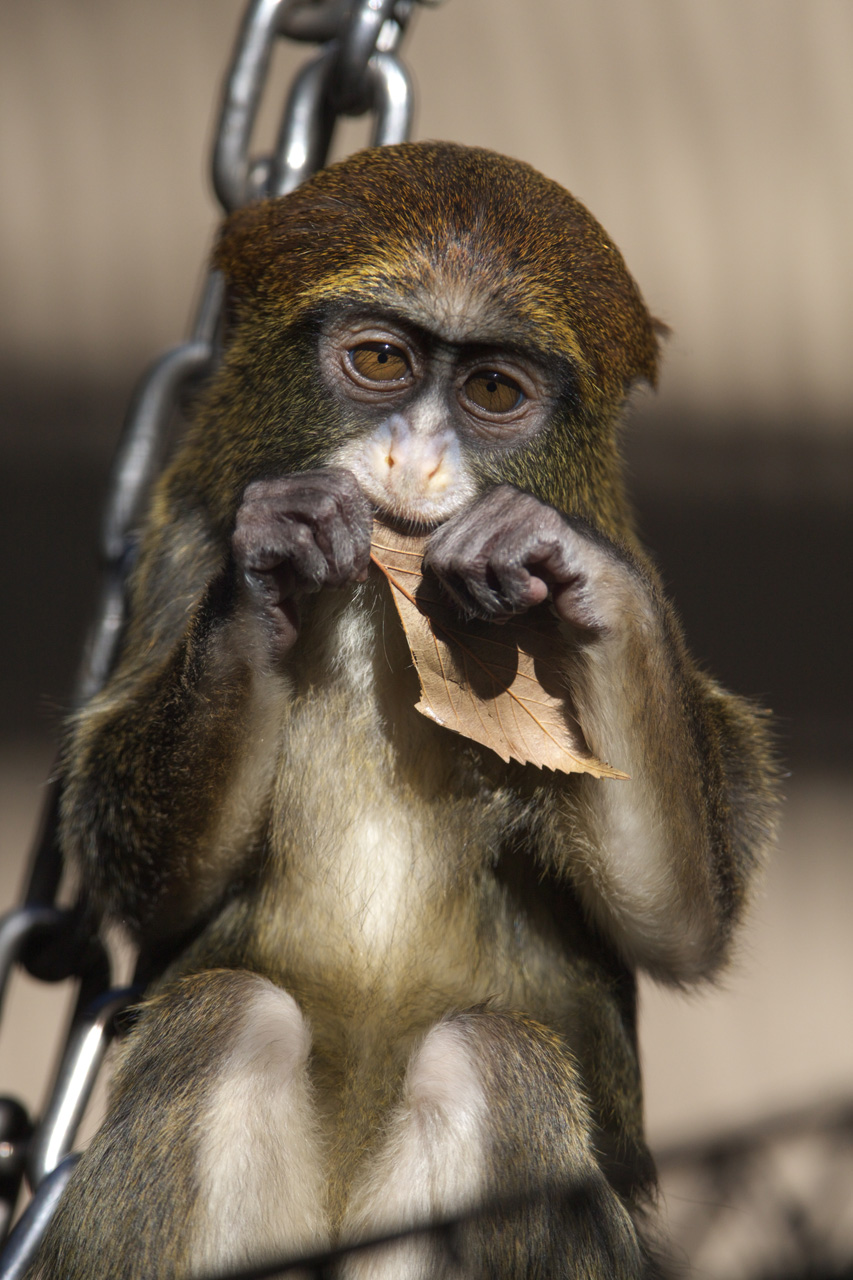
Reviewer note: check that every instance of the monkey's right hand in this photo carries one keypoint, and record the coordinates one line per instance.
(298, 534)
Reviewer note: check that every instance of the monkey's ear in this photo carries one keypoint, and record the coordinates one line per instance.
(662, 332)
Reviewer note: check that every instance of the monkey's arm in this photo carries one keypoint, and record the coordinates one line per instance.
(149, 762)
(662, 862)
(168, 771)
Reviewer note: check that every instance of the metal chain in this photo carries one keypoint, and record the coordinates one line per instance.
(355, 72)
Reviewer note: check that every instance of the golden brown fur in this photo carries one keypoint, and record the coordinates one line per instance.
(255, 796)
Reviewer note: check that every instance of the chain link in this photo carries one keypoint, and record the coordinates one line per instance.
(355, 72)
(84, 1054)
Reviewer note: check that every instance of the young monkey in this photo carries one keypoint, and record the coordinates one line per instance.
(399, 972)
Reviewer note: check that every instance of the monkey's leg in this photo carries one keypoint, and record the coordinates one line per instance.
(493, 1109)
(209, 1157)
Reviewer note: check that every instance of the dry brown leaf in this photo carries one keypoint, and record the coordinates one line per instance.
(498, 684)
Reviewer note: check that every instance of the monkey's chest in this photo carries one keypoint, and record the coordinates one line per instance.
(361, 878)
(366, 893)
(379, 855)
(383, 835)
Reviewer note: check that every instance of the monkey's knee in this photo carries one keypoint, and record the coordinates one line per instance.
(209, 1154)
(494, 1123)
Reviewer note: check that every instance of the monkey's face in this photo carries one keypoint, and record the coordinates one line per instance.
(423, 411)
(436, 320)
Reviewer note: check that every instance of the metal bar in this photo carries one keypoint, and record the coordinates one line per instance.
(138, 458)
(243, 85)
(560, 1196)
(24, 1241)
(306, 126)
(393, 99)
(313, 21)
(16, 930)
(87, 1045)
(209, 312)
(357, 44)
(140, 448)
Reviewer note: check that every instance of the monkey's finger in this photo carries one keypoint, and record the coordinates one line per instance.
(346, 545)
(307, 531)
(340, 518)
(518, 573)
(473, 596)
(261, 547)
(306, 558)
(583, 573)
(465, 576)
(476, 592)
(497, 583)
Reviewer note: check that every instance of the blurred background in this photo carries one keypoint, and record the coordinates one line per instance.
(715, 144)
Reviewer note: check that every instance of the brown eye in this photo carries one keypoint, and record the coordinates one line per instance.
(379, 362)
(494, 392)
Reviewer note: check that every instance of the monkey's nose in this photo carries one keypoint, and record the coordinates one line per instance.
(418, 461)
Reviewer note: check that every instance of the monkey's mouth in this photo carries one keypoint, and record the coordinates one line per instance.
(406, 505)
(414, 518)
(410, 526)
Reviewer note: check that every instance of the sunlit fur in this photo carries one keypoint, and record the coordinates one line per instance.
(394, 977)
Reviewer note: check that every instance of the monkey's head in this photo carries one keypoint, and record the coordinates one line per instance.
(435, 318)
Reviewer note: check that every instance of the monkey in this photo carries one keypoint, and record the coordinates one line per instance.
(392, 977)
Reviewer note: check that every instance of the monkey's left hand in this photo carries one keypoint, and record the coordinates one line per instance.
(509, 551)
